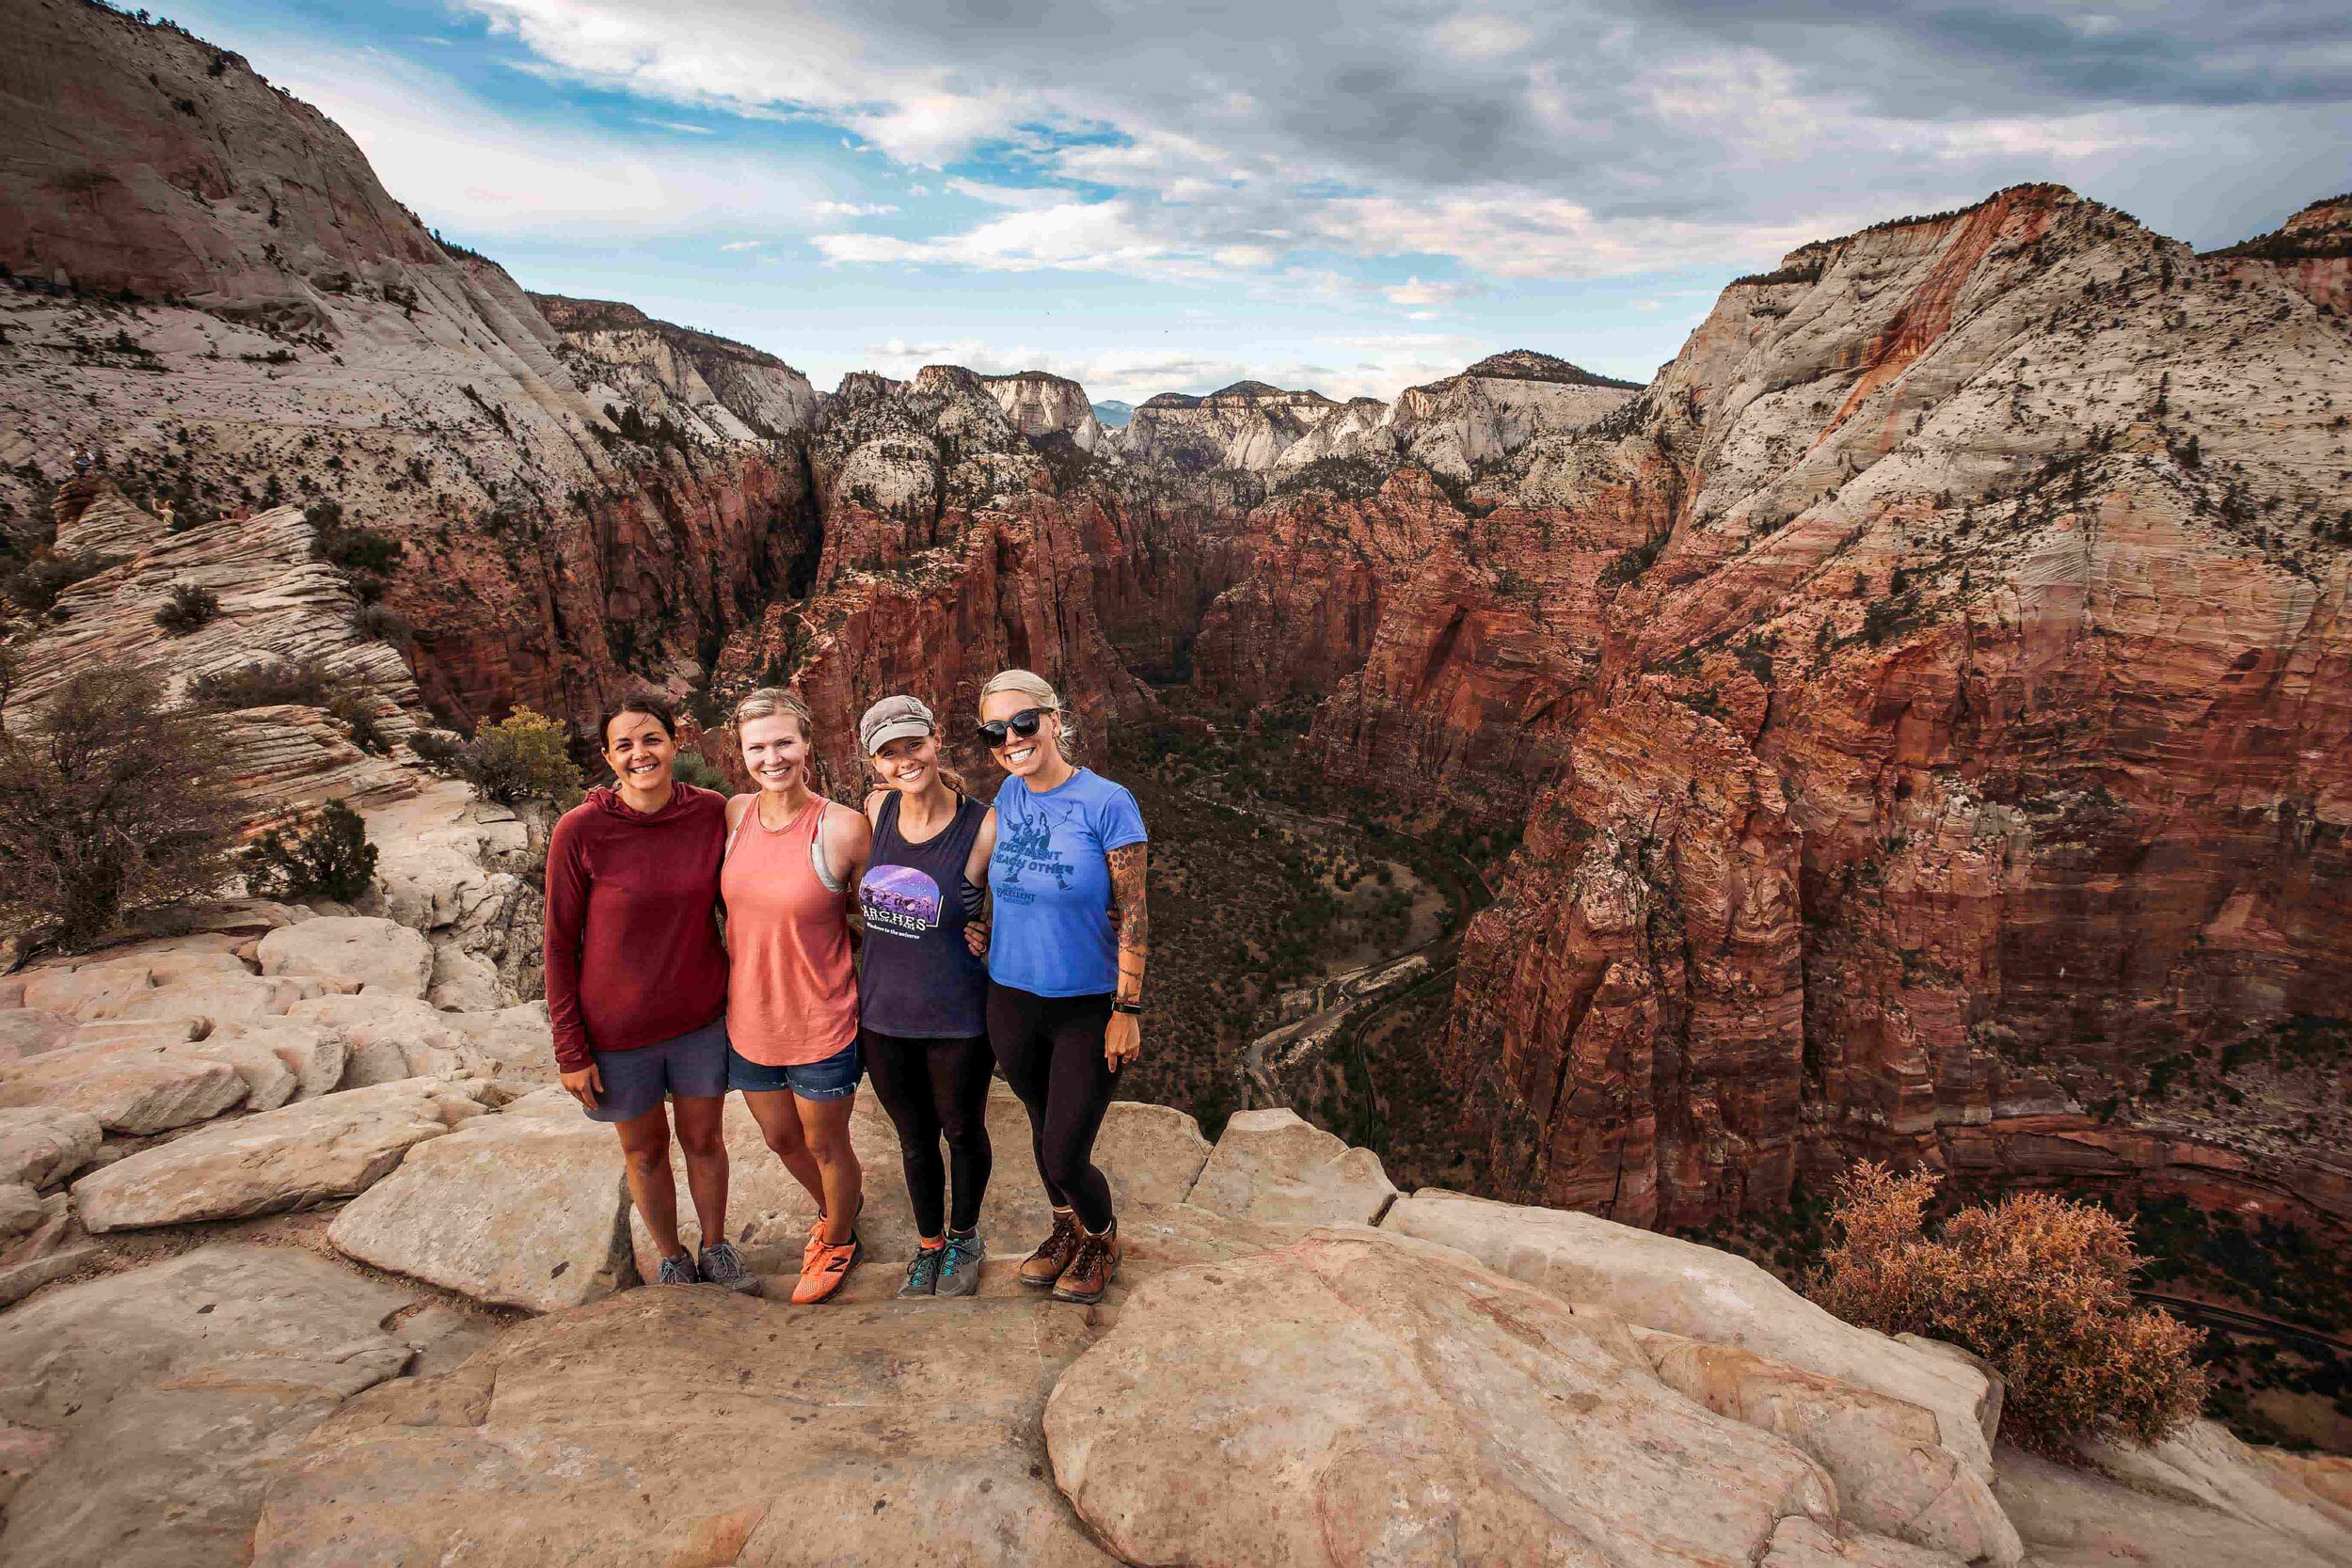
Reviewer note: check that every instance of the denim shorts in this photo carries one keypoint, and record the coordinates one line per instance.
(691, 1065)
(834, 1078)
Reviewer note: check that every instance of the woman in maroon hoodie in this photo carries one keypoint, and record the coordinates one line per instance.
(637, 980)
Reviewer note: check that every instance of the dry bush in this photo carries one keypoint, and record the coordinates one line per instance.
(119, 805)
(2040, 1287)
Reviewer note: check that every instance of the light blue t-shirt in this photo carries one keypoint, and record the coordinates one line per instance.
(1053, 885)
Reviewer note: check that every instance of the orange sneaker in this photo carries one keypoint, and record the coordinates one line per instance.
(817, 1233)
(822, 1275)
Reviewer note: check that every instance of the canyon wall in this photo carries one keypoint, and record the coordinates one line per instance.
(211, 292)
(1971, 732)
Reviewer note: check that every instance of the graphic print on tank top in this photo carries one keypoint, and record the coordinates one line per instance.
(899, 901)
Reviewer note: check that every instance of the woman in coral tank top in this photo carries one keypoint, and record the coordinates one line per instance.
(792, 862)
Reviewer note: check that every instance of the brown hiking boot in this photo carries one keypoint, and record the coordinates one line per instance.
(1045, 1265)
(1091, 1268)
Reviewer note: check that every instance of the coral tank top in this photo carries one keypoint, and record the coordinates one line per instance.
(792, 983)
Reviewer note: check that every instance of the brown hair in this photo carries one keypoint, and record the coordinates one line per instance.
(656, 709)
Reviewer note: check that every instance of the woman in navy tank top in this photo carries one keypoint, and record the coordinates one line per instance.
(923, 996)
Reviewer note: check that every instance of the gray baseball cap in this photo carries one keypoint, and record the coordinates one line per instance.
(893, 719)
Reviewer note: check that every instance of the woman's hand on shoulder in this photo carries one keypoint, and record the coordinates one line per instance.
(874, 799)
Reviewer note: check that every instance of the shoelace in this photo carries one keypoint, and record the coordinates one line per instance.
(957, 1252)
(927, 1264)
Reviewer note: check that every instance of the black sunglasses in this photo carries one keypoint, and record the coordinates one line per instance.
(1024, 724)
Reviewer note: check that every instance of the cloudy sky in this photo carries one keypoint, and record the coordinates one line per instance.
(1168, 196)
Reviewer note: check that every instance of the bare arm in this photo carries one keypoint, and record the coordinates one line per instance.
(1130, 907)
(849, 842)
(1122, 1039)
(975, 929)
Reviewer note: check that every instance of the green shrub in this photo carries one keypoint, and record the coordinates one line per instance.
(380, 625)
(524, 756)
(358, 717)
(186, 608)
(35, 586)
(267, 683)
(349, 547)
(329, 857)
(121, 804)
(2040, 1287)
(441, 751)
(694, 769)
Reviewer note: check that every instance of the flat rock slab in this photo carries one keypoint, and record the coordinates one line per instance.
(135, 1090)
(690, 1426)
(1353, 1399)
(290, 1158)
(1273, 1167)
(356, 953)
(1700, 1294)
(168, 1392)
(30, 1031)
(525, 1208)
(40, 1145)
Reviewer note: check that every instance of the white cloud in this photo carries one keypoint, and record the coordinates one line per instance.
(1481, 38)
(851, 208)
(417, 127)
(744, 245)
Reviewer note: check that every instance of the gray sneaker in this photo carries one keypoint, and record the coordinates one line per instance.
(720, 1265)
(959, 1270)
(679, 1271)
(923, 1273)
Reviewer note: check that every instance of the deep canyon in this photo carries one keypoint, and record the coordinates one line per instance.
(1924, 710)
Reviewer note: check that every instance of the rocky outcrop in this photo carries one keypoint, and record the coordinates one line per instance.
(1247, 426)
(291, 333)
(710, 387)
(1401, 1406)
(1038, 403)
(1959, 731)
(2311, 250)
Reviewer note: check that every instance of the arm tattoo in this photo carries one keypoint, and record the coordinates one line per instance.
(1127, 892)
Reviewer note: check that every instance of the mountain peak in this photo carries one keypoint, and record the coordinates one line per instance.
(1527, 364)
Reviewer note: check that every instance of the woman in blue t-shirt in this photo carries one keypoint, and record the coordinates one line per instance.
(1065, 995)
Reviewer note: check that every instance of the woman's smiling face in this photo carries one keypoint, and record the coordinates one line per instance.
(776, 750)
(1022, 755)
(908, 764)
(640, 751)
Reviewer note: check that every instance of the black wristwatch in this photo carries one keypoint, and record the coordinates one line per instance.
(1120, 1004)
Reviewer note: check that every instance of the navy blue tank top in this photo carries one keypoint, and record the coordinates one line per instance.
(919, 980)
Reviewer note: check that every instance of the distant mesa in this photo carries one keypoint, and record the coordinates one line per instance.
(1111, 414)
(1525, 364)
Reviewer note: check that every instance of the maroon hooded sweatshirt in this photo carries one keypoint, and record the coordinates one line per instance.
(632, 950)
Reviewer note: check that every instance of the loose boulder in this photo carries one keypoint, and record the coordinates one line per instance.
(351, 953)
(1701, 1293)
(1894, 1476)
(1350, 1400)
(527, 1208)
(692, 1426)
(1272, 1168)
(290, 1158)
(40, 1145)
(133, 1091)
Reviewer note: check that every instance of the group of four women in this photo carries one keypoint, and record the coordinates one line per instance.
(653, 1001)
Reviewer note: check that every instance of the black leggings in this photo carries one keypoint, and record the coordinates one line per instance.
(934, 1089)
(1051, 1049)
